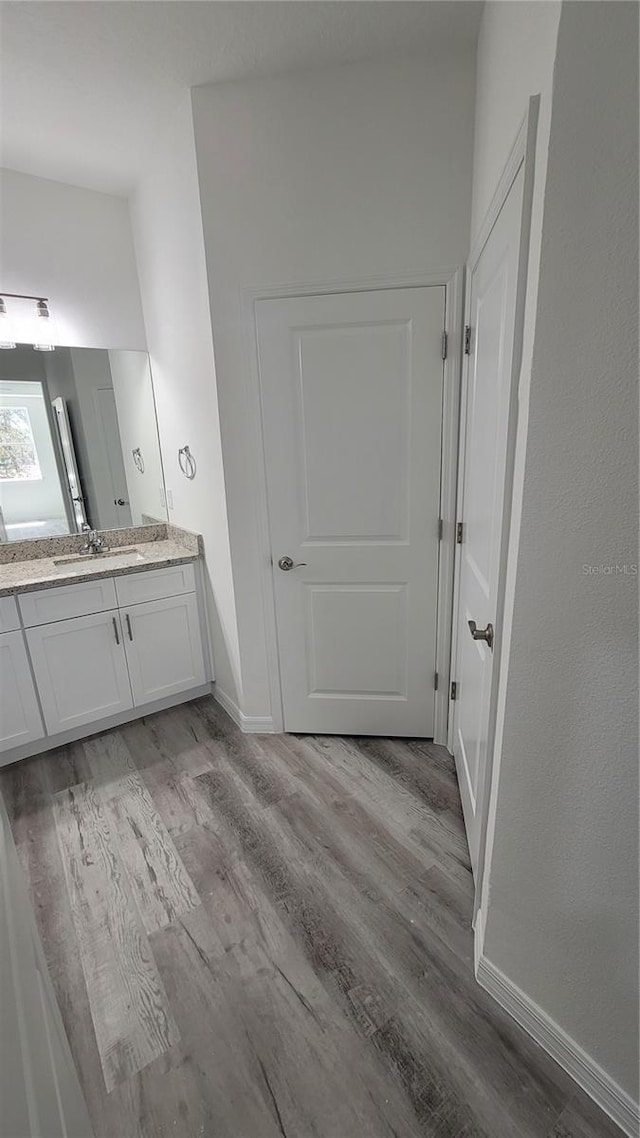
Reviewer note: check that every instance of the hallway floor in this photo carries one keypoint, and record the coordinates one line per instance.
(269, 937)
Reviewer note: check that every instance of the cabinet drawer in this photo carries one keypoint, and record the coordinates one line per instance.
(48, 605)
(134, 588)
(9, 616)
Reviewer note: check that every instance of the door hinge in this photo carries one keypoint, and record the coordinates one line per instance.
(435, 681)
(445, 341)
(467, 339)
(440, 529)
(459, 528)
(454, 690)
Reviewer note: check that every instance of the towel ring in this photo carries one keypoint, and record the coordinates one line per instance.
(138, 460)
(187, 463)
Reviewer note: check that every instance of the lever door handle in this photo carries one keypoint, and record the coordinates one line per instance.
(287, 563)
(485, 634)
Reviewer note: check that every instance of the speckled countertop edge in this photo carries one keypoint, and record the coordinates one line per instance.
(175, 547)
(70, 543)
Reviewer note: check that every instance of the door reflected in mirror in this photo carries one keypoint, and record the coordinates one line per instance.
(78, 442)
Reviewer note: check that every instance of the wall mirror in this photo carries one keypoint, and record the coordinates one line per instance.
(78, 442)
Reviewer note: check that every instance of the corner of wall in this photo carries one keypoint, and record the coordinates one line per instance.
(169, 248)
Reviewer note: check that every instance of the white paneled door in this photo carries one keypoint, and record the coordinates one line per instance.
(351, 389)
(484, 434)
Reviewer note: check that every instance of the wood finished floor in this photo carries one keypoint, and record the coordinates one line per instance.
(269, 937)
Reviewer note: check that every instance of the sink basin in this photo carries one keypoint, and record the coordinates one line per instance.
(112, 558)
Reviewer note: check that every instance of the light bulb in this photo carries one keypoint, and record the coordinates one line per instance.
(43, 314)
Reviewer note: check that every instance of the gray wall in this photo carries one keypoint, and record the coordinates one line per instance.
(562, 915)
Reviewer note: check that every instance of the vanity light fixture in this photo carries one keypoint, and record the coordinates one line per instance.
(6, 339)
(42, 312)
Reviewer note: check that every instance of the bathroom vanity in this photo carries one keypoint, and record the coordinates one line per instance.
(91, 641)
(101, 608)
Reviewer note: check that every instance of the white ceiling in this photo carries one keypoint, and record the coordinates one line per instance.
(86, 84)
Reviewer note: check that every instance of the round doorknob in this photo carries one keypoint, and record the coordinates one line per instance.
(485, 634)
(287, 563)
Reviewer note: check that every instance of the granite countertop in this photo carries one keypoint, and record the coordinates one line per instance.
(166, 546)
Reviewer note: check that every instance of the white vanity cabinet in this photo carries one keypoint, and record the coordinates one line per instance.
(163, 647)
(99, 651)
(80, 669)
(20, 720)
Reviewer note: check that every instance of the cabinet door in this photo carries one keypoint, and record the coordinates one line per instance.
(80, 669)
(20, 720)
(164, 647)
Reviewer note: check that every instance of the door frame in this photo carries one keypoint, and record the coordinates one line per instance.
(451, 279)
(522, 155)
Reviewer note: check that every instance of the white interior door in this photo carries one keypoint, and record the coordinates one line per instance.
(484, 435)
(352, 412)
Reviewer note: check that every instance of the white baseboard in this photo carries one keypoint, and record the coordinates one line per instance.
(249, 724)
(478, 941)
(612, 1099)
(226, 702)
(257, 724)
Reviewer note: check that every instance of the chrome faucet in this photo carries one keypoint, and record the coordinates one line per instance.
(94, 544)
